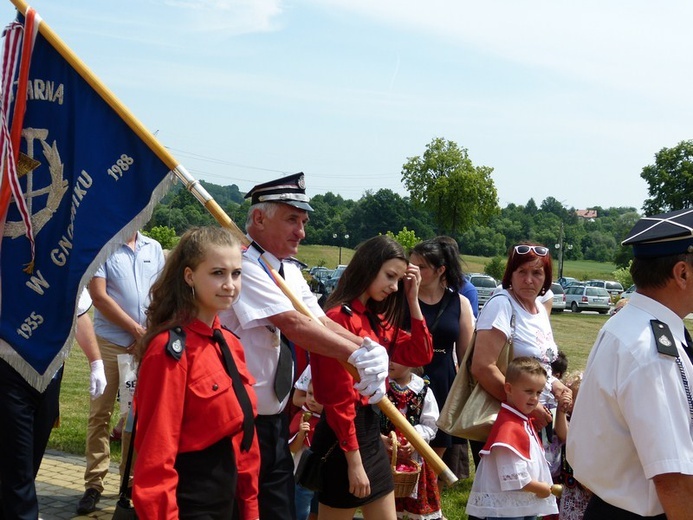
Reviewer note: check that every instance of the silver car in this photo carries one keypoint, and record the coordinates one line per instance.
(558, 298)
(485, 285)
(586, 298)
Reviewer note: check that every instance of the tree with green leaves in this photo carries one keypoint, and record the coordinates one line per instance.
(165, 235)
(670, 179)
(406, 238)
(445, 182)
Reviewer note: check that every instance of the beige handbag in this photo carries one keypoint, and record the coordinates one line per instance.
(470, 411)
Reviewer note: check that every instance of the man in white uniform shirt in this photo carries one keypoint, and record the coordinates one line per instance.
(630, 440)
(267, 323)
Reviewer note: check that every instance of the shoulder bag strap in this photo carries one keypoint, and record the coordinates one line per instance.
(513, 323)
(128, 463)
(513, 318)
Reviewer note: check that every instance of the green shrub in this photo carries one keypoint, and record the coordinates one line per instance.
(496, 267)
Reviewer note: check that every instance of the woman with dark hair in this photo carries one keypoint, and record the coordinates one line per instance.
(369, 301)
(194, 402)
(449, 318)
(527, 275)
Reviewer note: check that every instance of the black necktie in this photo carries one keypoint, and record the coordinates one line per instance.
(688, 347)
(239, 390)
(284, 377)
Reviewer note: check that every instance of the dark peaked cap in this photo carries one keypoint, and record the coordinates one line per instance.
(288, 190)
(662, 235)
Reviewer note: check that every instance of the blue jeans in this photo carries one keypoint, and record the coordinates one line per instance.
(304, 497)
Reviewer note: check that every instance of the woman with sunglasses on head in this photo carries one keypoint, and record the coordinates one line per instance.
(527, 275)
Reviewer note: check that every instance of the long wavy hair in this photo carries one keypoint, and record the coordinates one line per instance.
(172, 299)
(360, 273)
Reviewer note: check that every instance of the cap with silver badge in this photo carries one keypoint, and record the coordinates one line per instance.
(288, 190)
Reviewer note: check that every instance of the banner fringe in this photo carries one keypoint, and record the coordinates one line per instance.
(41, 381)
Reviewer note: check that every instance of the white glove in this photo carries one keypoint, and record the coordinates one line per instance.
(97, 379)
(372, 362)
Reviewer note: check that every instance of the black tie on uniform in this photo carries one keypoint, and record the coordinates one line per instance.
(239, 390)
(284, 377)
(688, 347)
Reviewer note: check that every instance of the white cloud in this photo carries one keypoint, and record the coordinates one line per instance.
(639, 45)
(231, 17)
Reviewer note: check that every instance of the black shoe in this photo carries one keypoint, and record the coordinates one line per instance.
(87, 504)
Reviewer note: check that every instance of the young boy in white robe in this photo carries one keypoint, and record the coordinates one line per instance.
(513, 480)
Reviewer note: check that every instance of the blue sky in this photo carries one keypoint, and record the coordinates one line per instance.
(562, 99)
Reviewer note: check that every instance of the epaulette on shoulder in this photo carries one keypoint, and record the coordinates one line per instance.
(296, 262)
(176, 342)
(229, 330)
(666, 344)
(347, 310)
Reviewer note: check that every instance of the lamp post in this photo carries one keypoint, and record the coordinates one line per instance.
(562, 248)
(346, 237)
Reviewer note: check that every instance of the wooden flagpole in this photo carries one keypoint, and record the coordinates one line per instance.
(223, 219)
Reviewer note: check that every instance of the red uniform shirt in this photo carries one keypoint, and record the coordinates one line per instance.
(334, 387)
(188, 405)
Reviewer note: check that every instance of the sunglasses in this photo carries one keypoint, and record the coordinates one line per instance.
(538, 250)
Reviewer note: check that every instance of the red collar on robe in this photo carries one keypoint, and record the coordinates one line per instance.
(296, 423)
(511, 430)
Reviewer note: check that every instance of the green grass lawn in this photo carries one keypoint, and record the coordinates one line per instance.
(580, 269)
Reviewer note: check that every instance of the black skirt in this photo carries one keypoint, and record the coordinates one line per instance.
(207, 482)
(335, 488)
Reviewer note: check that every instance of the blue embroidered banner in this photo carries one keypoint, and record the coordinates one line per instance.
(87, 179)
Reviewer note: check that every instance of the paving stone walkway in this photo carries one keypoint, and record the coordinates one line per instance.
(60, 485)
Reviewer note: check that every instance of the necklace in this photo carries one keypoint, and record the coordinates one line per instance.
(521, 303)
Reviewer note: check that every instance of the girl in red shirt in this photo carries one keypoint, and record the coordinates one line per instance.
(197, 453)
(369, 302)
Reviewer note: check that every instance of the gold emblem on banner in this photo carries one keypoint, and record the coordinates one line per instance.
(26, 166)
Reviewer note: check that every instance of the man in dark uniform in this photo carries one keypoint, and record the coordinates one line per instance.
(267, 324)
(630, 438)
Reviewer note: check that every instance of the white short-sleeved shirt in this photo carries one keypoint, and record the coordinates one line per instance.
(533, 334)
(303, 380)
(543, 298)
(249, 317)
(84, 302)
(129, 277)
(632, 419)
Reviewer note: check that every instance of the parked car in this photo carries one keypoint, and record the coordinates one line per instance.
(565, 281)
(628, 292)
(485, 285)
(318, 271)
(331, 282)
(558, 298)
(615, 289)
(319, 276)
(587, 298)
